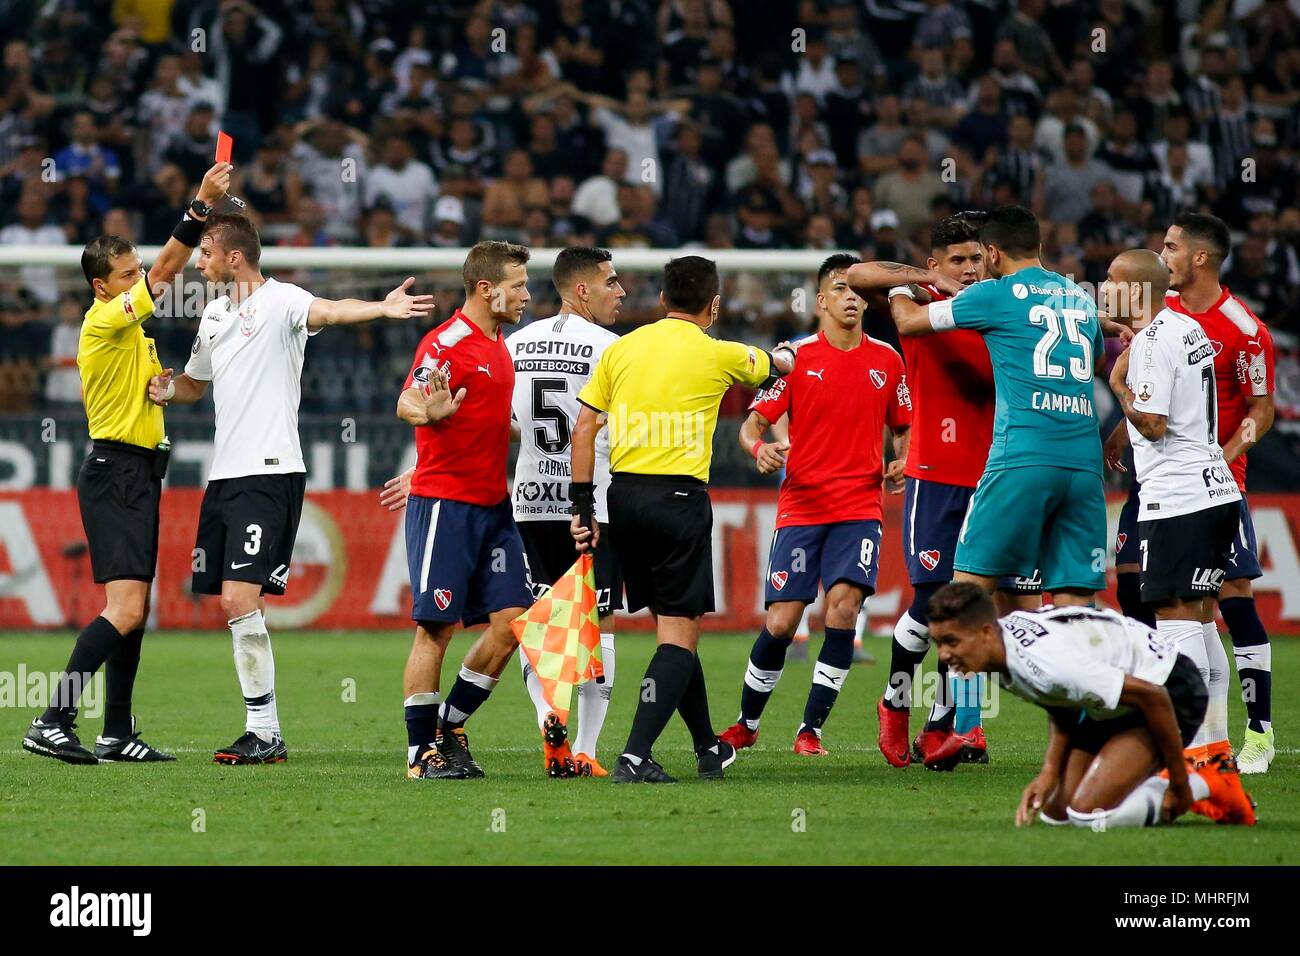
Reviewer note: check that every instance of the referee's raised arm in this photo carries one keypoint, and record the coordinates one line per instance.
(660, 387)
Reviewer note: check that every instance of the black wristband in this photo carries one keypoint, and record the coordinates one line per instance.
(188, 231)
(583, 496)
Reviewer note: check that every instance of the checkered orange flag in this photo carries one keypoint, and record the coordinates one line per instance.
(560, 634)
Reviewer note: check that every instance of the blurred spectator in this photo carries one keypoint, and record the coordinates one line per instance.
(909, 189)
(1068, 184)
(63, 381)
(508, 199)
(33, 229)
(84, 157)
(406, 183)
(597, 197)
(195, 146)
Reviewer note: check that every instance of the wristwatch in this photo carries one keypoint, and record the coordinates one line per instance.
(201, 209)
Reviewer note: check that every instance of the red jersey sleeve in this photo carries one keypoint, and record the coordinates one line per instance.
(898, 414)
(772, 402)
(427, 359)
(1255, 363)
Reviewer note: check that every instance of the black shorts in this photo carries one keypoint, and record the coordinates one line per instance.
(247, 527)
(1186, 556)
(1187, 693)
(549, 548)
(663, 537)
(119, 496)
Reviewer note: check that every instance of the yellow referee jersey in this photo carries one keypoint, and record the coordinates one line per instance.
(661, 385)
(116, 361)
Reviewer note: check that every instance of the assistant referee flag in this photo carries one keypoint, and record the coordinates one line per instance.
(661, 385)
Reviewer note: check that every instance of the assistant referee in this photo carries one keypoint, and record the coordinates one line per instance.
(120, 482)
(660, 387)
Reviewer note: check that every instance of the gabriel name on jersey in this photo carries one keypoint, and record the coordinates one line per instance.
(553, 359)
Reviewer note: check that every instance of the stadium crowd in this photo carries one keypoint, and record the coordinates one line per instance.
(752, 124)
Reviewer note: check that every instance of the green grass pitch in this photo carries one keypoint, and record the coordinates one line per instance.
(343, 796)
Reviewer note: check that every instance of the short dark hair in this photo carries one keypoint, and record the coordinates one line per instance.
(487, 262)
(576, 262)
(1013, 229)
(235, 232)
(690, 283)
(953, 231)
(1209, 230)
(836, 263)
(964, 602)
(97, 258)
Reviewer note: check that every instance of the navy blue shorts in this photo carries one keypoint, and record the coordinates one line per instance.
(1243, 559)
(465, 561)
(933, 513)
(1127, 549)
(803, 555)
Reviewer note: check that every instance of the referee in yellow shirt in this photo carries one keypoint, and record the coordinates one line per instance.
(120, 482)
(660, 387)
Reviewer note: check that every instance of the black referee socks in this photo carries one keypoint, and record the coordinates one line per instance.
(119, 683)
(694, 708)
(666, 679)
(93, 647)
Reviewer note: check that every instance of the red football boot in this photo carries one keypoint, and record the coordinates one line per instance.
(808, 744)
(892, 739)
(739, 736)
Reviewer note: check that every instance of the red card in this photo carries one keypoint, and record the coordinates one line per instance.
(224, 145)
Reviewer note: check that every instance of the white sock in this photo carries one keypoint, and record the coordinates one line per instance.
(255, 666)
(1188, 638)
(911, 635)
(1258, 657)
(1216, 713)
(1141, 808)
(593, 702)
(534, 685)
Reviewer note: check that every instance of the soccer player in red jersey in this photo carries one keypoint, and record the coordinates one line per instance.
(844, 390)
(1194, 250)
(952, 428)
(463, 550)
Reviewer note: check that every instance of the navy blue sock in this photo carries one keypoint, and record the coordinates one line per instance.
(421, 719)
(1128, 588)
(942, 714)
(467, 695)
(766, 661)
(829, 672)
(1253, 654)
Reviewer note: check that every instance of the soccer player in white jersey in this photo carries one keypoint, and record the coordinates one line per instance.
(1189, 503)
(553, 359)
(250, 346)
(1122, 703)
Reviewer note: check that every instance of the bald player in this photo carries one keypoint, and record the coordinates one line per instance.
(1189, 503)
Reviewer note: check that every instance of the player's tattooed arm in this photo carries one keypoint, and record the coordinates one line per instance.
(1260, 410)
(769, 456)
(910, 317)
(1040, 788)
(881, 275)
(1154, 703)
(398, 304)
(1149, 425)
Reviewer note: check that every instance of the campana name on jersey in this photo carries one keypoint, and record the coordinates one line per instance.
(1055, 402)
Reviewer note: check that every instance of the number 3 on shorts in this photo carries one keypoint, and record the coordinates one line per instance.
(254, 542)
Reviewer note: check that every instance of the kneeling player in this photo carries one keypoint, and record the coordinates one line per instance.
(846, 387)
(1122, 704)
